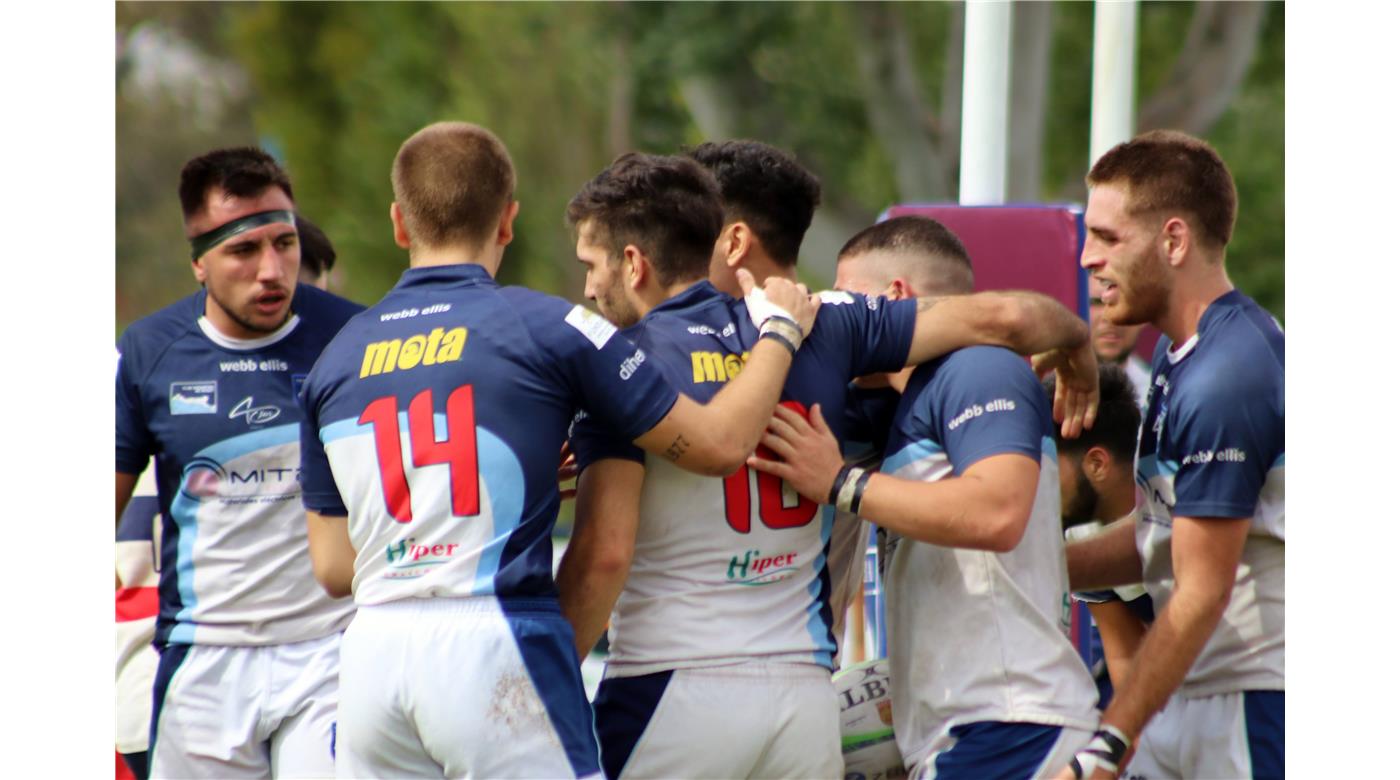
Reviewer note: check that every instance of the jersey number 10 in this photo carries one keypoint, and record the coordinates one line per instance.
(458, 450)
(770, 495)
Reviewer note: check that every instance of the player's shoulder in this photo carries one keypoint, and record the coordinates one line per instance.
(323, 308)
(153, 333)
(553, 322)
(983, 363)
(839, 307)
(1237, 357)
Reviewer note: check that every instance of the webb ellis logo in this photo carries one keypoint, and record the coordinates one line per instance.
(428, 349)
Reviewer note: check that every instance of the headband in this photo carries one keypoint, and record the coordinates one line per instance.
(204, 242)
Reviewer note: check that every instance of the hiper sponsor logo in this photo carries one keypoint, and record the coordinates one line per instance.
(756, 568)
(423, 349)
(408, 560)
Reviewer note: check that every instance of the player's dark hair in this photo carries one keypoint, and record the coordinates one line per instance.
(243, 172)
(452, 181)
(929, 244)
(669, 207)
(317, 253)
(766, 188)
(1167, 171)
(1116, 426)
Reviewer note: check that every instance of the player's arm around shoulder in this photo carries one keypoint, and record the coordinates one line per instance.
(332, 554)
(599, 555)
(714, 439)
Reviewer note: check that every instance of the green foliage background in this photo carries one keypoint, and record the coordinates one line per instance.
(332, 89)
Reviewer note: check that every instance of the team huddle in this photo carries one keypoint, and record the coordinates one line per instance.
(357, 575)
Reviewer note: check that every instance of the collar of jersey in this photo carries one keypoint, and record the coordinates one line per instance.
(694, 295)
(469, 273)
(246, 345)
(1177, 354)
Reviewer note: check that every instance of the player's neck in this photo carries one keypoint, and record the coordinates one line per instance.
(429, 257)
(1115, 504)
(1192, 295)
(762, 266)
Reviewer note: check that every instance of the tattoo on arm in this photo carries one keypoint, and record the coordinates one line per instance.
(677, 449)
(927, 303)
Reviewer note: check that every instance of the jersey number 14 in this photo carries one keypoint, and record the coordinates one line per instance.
(458, 450)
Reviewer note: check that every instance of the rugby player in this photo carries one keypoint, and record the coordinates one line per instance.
(430, 446)
(317, 254)
(983, 679)
(1097, 488)
(249, 645)
(721, 633)
(1209, 542)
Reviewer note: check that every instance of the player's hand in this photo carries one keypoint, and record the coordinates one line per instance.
(568, 470)
(778, 298)
(811, 458)
(1076, 387)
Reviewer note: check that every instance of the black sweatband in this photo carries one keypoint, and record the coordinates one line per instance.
(865, 475)
(781, 339)
(840, 480)
(1105, 750)
(207, 240)
(846, 495)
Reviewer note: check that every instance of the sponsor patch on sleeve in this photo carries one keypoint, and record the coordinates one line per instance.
(594, 327)
(835, 297)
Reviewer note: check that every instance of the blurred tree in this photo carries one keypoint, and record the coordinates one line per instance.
(866, 94)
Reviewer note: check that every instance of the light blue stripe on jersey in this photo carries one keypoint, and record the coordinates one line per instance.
(498, 468)
(911, 452)
(185, 510)
(1048, 448)
(825, 653)
(1278, 462)
(1149, 467)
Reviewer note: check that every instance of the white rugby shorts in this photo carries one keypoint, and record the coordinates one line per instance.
(459, 687)
(236, 712)
(749, 720)
(1235, 735)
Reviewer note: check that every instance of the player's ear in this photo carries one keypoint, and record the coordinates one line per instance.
(400, 232)
(899, 289)
(739, 238)
(1096, 465)
(197, 265)
(636, 267)
(1176, 240)
(505, 232)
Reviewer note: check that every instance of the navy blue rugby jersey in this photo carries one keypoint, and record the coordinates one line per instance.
(1212, 446)
(1012, 660)
(220, 417)
(435, 420)
(735, 568)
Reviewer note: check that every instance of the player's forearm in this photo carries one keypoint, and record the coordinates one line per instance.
(959, 512)
(126, 486)
(332, 554)
(1022, 321)
(1166, 655)
(587, 593)
(737, 416)
(1105, 560)
(1122, 633)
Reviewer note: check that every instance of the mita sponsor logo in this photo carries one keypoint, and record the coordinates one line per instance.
(716, 366)
(977, 410)
(248, 364)
(423, 349)
(755, 568)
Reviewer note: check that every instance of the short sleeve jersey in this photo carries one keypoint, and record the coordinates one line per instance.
(725, 570)
(220, 418)
(435, 420)
(1212, 446)
(977, 635)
